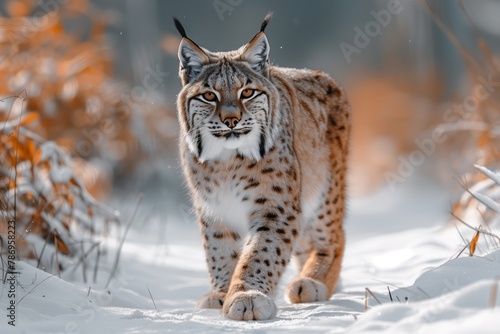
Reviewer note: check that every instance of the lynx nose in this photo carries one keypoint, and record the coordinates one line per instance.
(230, 121)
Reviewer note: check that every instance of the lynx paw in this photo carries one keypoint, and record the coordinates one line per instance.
(249, 305)
(306, 290)
(211, 300)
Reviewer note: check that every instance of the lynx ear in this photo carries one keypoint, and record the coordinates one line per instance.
(191, 56)
(256, 53)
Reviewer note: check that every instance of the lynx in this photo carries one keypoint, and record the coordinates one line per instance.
(264, 152)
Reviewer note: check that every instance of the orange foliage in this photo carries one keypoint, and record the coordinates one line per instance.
(58, 87)
(40, 192)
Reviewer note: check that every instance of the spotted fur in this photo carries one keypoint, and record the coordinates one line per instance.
(264, 151)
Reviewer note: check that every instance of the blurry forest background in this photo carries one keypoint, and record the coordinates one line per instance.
(88, 93)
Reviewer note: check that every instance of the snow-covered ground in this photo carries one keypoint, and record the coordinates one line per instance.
(396, 241)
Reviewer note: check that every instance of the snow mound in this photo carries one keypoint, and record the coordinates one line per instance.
(158, 283)
(460, 296)
(451, 277)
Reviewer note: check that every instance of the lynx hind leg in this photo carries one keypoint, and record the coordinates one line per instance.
(212, 300)
(302, 249)
(317, 279)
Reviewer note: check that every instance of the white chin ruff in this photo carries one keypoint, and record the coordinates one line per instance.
(232, 143)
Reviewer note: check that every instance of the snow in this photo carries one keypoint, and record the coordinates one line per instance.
(399, 241)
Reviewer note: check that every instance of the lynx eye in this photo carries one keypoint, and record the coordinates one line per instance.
(209, 96)
(247, 93)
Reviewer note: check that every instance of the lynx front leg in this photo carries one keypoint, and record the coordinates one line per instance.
(321, 271)
(222, 248)
(263, 260)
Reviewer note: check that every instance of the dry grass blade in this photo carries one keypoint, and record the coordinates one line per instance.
(84, 263)
(464, 241)
(469, 58)
(4, 277)
(483, 46)
(117, 259)
(56, 252)
(39, 260)
(152, 299)
(96, 264)
(83, 257)
(476, 229)
(494, 292)
(423, 291)
(369, 292)
(33, 288)
(462, 250)
(390, 294)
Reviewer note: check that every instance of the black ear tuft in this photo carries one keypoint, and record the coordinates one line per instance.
(266, 21)
(180, 28)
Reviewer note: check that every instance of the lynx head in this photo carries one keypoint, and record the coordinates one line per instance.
(228, 104)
